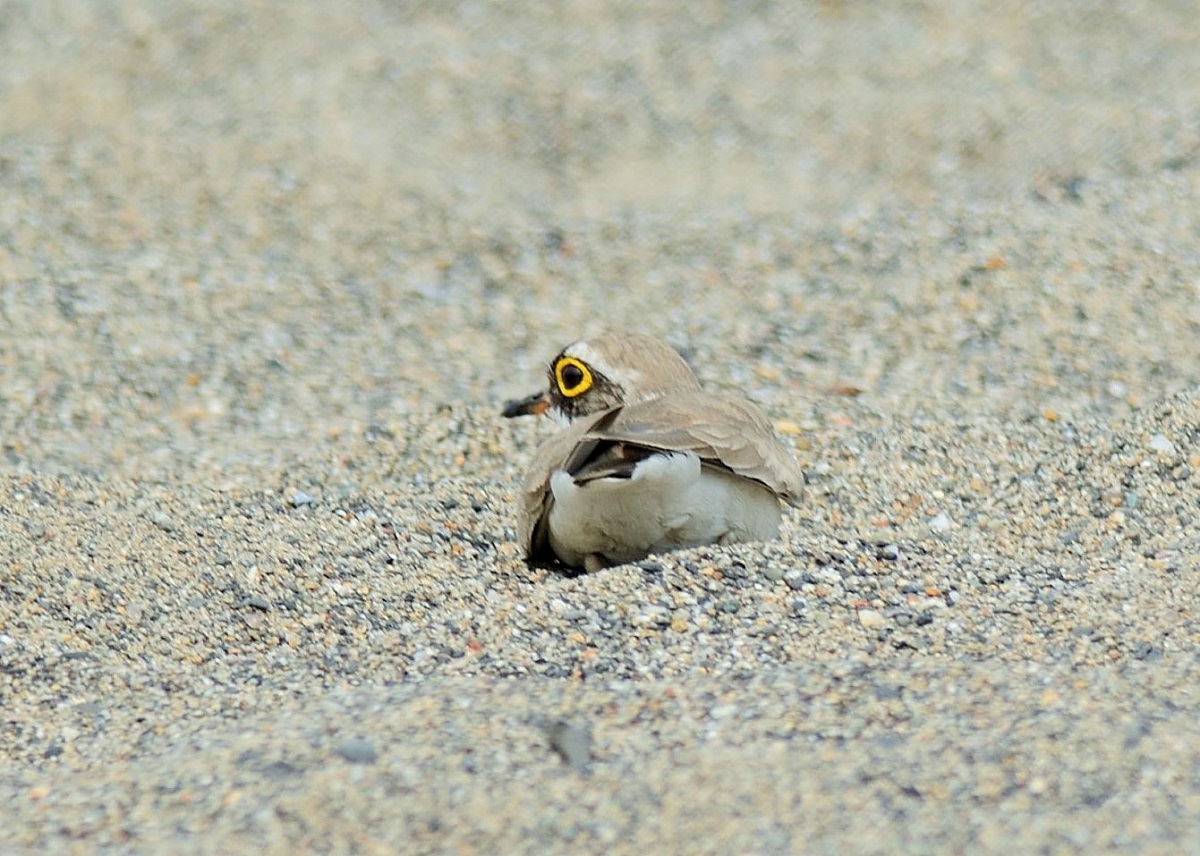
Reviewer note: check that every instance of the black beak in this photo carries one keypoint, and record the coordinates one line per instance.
(534, 404)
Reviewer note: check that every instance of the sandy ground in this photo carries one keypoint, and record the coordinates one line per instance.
(268, 271)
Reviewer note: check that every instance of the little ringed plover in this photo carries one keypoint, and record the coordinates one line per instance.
(646, 460)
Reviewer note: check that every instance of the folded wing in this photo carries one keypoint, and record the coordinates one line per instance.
(722, 430)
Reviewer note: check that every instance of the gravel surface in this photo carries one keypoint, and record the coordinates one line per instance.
(267, 276)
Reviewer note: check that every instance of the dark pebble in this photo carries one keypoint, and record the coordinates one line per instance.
(572, 742)
(1147, 651)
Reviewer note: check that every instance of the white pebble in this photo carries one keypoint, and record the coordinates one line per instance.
(940, 522)
(1159, 443)
(870, 619)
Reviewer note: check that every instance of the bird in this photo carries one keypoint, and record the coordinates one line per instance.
(645, 461)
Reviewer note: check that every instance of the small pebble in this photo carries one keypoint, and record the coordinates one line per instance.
(573, 743)
(940, 522)
(358, 750)
(1160, 443)
(870, 619)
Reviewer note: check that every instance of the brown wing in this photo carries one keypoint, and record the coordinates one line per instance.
(723, 430)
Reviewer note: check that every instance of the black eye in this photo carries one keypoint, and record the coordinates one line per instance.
(572, 376)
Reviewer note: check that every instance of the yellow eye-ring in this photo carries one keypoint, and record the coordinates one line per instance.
(573, 377)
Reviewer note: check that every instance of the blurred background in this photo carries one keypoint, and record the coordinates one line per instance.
(230, 224)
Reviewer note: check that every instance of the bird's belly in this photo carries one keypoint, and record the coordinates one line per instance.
(669, 502)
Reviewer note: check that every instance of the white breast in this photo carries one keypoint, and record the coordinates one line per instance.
(669, 502)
